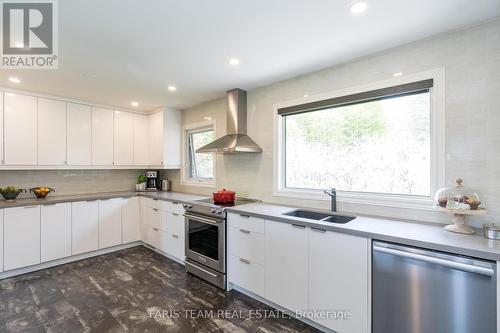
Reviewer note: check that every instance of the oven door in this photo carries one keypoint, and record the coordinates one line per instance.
(206, 241)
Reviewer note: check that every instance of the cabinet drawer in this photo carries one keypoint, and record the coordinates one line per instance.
(173, 207)
(154, 203)
(153, 236)
(246, 222)
(246, 274)
(246, 244)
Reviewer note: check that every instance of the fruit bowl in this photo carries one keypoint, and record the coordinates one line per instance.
(42, 191)
(10, 193)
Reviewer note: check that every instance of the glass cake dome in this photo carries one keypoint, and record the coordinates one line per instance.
(458, 197)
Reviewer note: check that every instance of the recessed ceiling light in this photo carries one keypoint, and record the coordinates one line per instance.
(358, 7)
(234, 62)
(14, 80)
(172, 88)
(397, 74)
(134, 104)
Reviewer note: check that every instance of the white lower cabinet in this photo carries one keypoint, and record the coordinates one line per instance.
(130, 220)
(84, 226)
(21, 237)
(286, 273)
(110, 222)
(55, 225)
(246, 274)
(338, 278)
(1, 240)
(174, 244)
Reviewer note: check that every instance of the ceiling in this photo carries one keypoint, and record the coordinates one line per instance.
(117, 51)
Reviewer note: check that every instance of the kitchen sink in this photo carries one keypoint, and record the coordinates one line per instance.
(318, 216)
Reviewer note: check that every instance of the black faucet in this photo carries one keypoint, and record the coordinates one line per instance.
(333, 194)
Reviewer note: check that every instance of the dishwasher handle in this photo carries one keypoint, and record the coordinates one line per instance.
(438, 261)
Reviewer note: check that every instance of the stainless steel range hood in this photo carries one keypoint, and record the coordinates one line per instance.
(236, 140)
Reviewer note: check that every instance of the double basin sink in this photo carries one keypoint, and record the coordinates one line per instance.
(318, 216)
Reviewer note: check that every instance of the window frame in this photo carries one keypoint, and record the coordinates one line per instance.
(437, 163)
(186, 152)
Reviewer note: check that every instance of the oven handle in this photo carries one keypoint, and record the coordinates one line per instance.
(202, 219)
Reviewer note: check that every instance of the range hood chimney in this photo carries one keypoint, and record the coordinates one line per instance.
(236, 140)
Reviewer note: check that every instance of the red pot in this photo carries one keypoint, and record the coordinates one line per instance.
(224, 197)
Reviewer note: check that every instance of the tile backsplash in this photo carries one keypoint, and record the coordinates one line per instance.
(72, 181)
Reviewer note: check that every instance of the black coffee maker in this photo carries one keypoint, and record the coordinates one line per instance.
(153, 180)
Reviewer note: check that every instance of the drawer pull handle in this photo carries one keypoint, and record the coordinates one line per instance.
(298, 226)
(155, 209)
(175, 214)
(30, 206)
(175, 202)
(243, 215)
(318, 230)
(246, 261)
(155, 229)
(245, 231)
(175, 236)
(155, 199)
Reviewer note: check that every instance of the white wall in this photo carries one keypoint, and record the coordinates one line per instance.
(471, 59)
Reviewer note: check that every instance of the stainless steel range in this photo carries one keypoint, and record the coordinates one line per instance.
(206, 239)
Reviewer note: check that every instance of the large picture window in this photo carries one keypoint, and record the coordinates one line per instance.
(367, 144)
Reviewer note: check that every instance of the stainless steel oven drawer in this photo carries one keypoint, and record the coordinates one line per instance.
(206, 273)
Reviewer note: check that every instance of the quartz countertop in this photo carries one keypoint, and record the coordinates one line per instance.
(429, 236)
(52, 199)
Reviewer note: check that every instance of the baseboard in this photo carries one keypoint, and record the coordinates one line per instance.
(277, 307)
(66, 260)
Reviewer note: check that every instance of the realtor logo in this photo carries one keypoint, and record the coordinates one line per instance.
(29, 34)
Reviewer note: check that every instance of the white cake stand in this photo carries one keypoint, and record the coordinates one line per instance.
(458, 219)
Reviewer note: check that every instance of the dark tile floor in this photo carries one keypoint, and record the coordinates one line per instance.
(134, 290)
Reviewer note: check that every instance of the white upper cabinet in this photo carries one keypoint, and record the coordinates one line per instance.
(141, 136)
(172, 135)
(156, 139)
(51, 132)
(102, 136)
(79, 134)
(339, 278)
(124, 138)
(20, 129)
(55, 231)
(286, 274)
(110, 222)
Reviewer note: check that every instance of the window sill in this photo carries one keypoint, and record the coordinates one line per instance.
(208, 184)
(381, 200)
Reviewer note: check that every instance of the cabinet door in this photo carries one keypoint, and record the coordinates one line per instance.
(1, 240)
(124, 138)
(156, 139)
(141, 139)
(172, 134)
(130, 220)
(55, 231)
(286, 265)
(20, 129)
(175, 235)
(51, 132)
(102, 136)
(1, 135)
(21, 237)
(84, 226)
(79, 138)
(338, 278)
(110, 222)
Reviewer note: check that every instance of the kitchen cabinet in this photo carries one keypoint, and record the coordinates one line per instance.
(172, 131)
(1, 240)
(20, 129)
(102, 136)
(174, 244)
(55, 225)
(156, 139)
(123, 138)
(286, 266)
(51, 132)
(338, 278)
(110, 222)
(84, 226)
(79, 134)
(1, 137)
(21, 237)
(141, 142)
(130, 220)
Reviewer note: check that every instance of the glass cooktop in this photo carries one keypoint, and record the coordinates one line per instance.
(238, 201)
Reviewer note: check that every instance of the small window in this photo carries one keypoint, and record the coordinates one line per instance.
(200, 166)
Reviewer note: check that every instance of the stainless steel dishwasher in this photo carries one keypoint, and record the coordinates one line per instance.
(423, 291)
